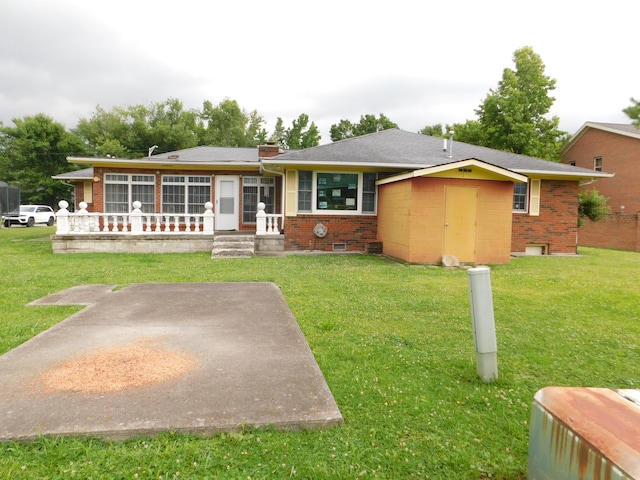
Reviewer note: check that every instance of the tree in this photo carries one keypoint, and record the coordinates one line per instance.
(469, 132)
(633, 112)
(227, 124)
(514, 116)
(368, 124)
(300, 135)
(32, 152)
(169, 126)
(341, 130)
(434, 130)
(129, 132)
(105, 133)
(591, 205)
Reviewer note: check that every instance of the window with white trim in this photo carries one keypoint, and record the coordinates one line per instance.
(255, 190)
(337, 192)
(305, 190)
(597, 164)
(185, 193)
(369, 192)
(520, 196)
(121, 190)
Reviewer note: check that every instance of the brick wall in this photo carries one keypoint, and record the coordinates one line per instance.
(356, 231)
(98, 187)
(616, 231)
(557, 224)
(621, 156)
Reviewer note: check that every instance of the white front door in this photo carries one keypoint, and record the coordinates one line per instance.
(227, 202)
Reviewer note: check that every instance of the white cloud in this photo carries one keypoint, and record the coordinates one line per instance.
(417, 64)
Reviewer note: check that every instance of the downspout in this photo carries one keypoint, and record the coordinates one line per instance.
(282, 189)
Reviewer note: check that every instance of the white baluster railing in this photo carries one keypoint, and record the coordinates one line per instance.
(267, 223)
(134, 223)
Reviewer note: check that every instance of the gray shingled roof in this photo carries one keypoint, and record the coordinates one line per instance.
(83, 174)
(213, 155)
(622, 127)
(408, 150)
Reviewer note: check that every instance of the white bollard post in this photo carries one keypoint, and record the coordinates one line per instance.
(484, 328)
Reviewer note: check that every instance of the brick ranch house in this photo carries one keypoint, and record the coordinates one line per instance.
(408, 195)
(613, 147)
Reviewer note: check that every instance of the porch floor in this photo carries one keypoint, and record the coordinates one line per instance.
(213, 357)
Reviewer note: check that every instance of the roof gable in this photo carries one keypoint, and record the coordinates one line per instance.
(469, 169)
(624, 129)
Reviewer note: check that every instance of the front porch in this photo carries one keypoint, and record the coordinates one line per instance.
(138, 232)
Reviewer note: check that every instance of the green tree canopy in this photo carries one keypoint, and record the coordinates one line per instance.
(435, 130)
(368, 124)
(300, 135)
(227, 124)
(34, 150)
(129, 132)
(514, 116)
(633, 112)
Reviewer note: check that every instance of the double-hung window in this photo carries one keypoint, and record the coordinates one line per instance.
(526, 197)
(337, 192)
(121, 190)
(597, 164)
(520, 197)
(185, 193)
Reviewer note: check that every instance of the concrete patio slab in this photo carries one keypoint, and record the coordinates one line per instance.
(148, 358)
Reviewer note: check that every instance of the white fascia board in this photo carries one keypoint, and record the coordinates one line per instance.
(400, 166)
(425, 172)
(559, 175)
(476, 163)
(145, 162)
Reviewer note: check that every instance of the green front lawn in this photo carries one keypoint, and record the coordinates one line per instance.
(394, 342)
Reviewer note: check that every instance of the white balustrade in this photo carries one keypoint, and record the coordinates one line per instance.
(267, 223)
(134, 223)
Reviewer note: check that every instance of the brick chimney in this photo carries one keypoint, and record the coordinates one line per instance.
(269, 150)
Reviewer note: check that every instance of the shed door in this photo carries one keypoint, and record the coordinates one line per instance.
(460, 226)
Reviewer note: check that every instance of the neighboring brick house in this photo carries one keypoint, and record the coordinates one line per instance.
(615, 148)
(408, 195)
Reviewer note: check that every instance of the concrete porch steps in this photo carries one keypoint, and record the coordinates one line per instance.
(233, 245)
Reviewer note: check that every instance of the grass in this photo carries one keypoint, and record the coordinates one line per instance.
(395, 345)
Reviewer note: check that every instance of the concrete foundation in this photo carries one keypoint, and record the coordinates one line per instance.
(118, 243)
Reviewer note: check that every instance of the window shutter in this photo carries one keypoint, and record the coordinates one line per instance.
(291, 201)
(534, 197)
(88, 192)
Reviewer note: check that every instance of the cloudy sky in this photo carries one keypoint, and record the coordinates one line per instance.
(419, 63)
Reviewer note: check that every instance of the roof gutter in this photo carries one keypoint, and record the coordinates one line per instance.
(145, 162)
(282, 187)
(552, 174)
